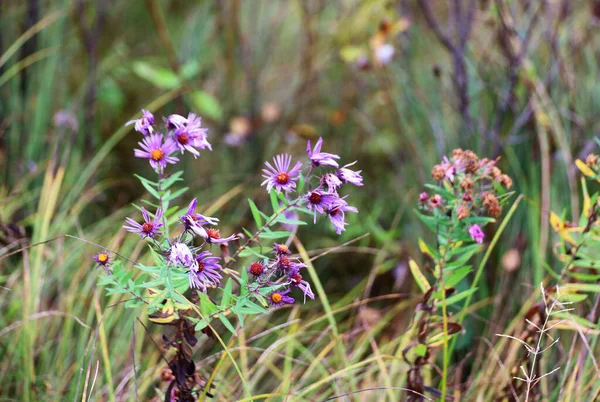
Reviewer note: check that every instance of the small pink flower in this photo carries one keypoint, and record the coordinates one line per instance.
(436, 201)
(476, 233)
(423, 197)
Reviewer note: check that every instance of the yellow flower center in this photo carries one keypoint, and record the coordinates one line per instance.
(157, 154)
(276, 298)
(102, 257)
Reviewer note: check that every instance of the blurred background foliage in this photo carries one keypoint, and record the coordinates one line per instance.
(516, 79)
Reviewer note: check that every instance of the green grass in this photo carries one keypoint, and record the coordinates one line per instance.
(59, 332)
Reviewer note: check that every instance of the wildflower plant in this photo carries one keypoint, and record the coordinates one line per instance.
(469, 193)
(199, 274)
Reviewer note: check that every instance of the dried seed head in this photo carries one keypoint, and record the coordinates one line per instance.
(166, 374)
(505, 180)
(457, 154)
(462, 212)
(437, 172)
(495, 172)
(466, 183)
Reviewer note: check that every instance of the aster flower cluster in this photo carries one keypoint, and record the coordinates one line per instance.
(470, 193)
(191, 256)
(322, 198)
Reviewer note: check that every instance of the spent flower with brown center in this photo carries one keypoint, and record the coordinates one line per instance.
(591, 160)
(505, 181)
(438, 172)
(463, 212)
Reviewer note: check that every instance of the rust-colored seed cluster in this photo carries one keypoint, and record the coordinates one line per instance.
(592, 161)
(492, 204)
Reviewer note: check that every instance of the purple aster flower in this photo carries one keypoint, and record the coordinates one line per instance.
(319, 201)
(102, 259)
(449, 169)
(182, 255)
(319, 158)
(150, 227)
(278, 299)
(144, 124)
(186, 141)
(206, 271)
(194, 221)
(156, 151)
(280, 176)
(332, 182)
(476, 233)
(350, 176)
(337, 212)
(214, 237)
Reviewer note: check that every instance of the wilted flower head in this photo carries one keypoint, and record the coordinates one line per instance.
(278, 298)
(144, 124)
(336, 213)
(332, 182)
(256, 269)
(281, 177)
(181, 255)
(476, 233)
(157, 152)
(195, 221)
(206, 271)
(319, 158)
(192, 122)
(304, 286)
(213, 236)
(319, 201)
(150, 227)
(350, 176)
(287, 265)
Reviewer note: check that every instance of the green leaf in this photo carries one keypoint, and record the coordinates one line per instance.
(274, 235)
(582, 287)
(174, 195)
(456, 276)
(456, 298)
(207, 105)
(421, 350)
(227, 294)
(159, 76)
(168, 182)
(274, 203)
(227, 324)
(255, 214)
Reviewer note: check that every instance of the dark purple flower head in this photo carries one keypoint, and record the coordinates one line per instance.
(319, 201)
(336, 213)
(206, 271)
(278, 298)
(156, 151)
(150, 227)
(319, 158)
(144, 124)
(194, 221)
(332, 182)
(280, 176)
(476, 233)
(350, 176)
(297, 281)
(423, 197)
